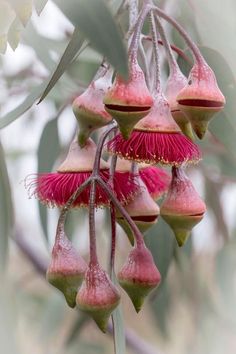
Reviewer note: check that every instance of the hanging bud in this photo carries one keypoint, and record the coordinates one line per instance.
(67, 268)
(183, 208)
(142, 209)
(89, 108)
(175, 83)
(139, 275)
(201, 98)
(97, 296)
(156, 139)
(128, 101)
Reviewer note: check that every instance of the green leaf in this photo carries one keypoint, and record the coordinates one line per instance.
(78, 325)
(6, 207)
(94, 20)
(161, 242)
(23, 107)
(118, 326)
(71, 51)
(39, 5)
(48, 151)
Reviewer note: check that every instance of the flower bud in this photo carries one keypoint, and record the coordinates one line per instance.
(156, 139)
(89, 108)
(97, 296)
(183, 208)
(175, 83)
(143, 211)
(139, 275)
(67, 269)
(201, 98)
(128, 101)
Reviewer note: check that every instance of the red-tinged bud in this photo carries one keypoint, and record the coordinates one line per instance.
(175, 83)
(67, 269)
(81, 159)
(139, 275)
(128, 101)
(97, 296)
(142, 209)
(156, 139)
(183, 208)
(89, 108)
(201, 98)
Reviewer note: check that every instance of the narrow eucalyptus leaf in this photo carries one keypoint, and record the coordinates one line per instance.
(23, 107)
(6, 207)
(69, 54)
(48, 150)
(118, 326)
(94, 20)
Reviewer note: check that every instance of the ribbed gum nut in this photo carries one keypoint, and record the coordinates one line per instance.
(183, 208)
(128, 101)
(66, 270)
(143, 211)
(175, 83)
(89, 108)
(139, 275)
(97, 296)
(201, 98)
(81, 159)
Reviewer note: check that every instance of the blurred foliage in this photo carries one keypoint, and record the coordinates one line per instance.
(193, 311)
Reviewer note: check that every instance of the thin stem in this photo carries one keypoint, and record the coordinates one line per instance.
(133, 49)
(145, 64)
(157, 82)
(134, 168)
(67, 206)
(170, 57)
(92, 231)
(112, 170)
(195, 50)
(113, 238)
(133, 13)
(176, 49)
(137, 234)
(96, 165)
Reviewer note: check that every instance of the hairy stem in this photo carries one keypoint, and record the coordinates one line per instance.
(170, 57)
(133, 49)
(92, 231)
(157, 83)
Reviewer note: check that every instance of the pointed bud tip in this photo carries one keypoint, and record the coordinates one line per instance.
(181, 236)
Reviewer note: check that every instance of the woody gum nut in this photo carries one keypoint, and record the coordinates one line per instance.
(139, 275)
(97, 296)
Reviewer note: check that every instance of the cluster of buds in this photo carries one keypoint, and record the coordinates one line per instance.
(146, 126)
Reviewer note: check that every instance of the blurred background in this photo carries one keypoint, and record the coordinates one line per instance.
(194, 309)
